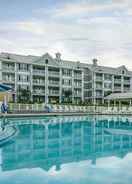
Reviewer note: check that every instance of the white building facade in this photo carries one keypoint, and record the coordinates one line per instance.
(53, 80)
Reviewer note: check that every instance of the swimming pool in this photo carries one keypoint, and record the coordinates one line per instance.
(68, 150)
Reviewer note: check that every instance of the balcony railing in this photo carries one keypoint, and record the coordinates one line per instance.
(108, 79)
(78, 77)
(117, 80)
(23, 70)
(41, 82)
(77, 85)
(117, 88)
(56, 83)
(38, 72)
(99, 78)
(98, 95)
(8, 69)
(98, 86)
(23, 81)
(53, 73)
(77, 94)
(9, 80)
(39, 91)
(54, 93)
(126, 81)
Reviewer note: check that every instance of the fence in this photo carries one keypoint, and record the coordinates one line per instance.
(29, 108)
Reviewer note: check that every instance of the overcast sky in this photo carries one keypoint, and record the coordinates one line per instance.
(79, 29)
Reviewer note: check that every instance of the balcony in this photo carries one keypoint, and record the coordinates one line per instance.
(38, 92)
(98, 86)
(53, 73)
(54, 83)
(76, 94)
(53, 92)
(8, 69)
(39, 72)
(107, 79)
(78, 76)
(99, 78)
(8, 80)
(77, 85)
(98, 95)
(23, 82)
(126, 89)
(117, 88)
(39, 82)
(117, 80)
(126, 81)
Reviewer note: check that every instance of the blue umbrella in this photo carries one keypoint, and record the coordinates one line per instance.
(4, 88)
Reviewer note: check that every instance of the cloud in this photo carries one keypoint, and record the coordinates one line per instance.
(79, 30)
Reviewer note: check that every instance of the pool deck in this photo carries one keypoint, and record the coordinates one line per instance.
(59, 114)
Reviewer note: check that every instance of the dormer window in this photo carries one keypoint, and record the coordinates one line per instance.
(46, 61)
(123, 72)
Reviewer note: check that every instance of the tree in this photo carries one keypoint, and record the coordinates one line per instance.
(67, 96)
(24, 96)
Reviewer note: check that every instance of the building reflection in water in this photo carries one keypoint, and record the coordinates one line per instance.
(54, 141)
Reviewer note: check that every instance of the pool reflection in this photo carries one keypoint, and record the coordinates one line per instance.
(55, 141)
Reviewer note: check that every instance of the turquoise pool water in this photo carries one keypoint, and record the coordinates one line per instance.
(68, 150)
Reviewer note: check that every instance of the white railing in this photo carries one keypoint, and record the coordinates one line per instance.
(8, 68)
(53, 92)
(53, 73)
(117, 80)
(9, 79)
(99, 78)
(28, 108)
(38, 72)
(53, 83)
(39, 91)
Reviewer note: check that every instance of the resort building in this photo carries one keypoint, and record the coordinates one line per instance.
(50, 80)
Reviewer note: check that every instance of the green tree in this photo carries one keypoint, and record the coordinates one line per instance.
(24, 96)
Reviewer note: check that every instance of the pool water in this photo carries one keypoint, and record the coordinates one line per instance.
(68, 150)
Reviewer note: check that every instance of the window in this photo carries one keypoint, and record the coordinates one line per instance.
(123, 71)
(46, 61)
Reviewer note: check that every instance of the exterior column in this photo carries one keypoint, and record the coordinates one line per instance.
(114, 103)
(72, 86)
(31, 82)
(103, 88)
(108, 104)
(1, 71)
(82, 86)
(130, 102)
(112, 83)
(119, 108)
(60, 86)
(46, 85)
(94, 90)
(15, 82)
(122, 84)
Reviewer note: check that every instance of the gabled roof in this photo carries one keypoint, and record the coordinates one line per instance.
(18, 58)
(111, 70)
(62, 63)
(42, 59)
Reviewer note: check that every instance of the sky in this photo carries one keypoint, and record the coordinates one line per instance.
(79, 29)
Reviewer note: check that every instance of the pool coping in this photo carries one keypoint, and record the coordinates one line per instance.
(60, 114)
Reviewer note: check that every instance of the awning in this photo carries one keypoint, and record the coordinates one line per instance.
(4, 88)
(119, 96)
